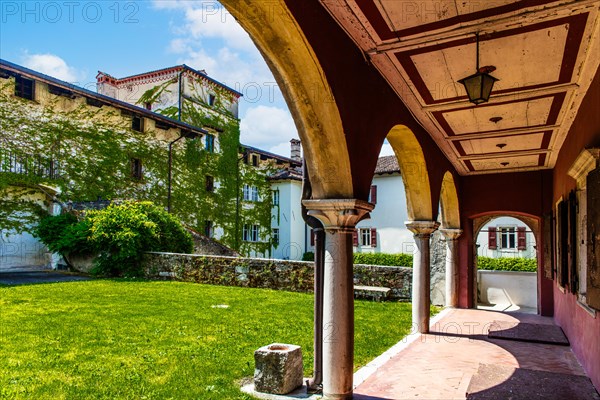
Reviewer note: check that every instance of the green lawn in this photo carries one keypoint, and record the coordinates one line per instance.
(159, 340)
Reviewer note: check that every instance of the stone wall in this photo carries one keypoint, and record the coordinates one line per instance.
(206, 245)
(438, 268)
(296, 276)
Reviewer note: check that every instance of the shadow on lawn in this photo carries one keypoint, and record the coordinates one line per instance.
(39, 277)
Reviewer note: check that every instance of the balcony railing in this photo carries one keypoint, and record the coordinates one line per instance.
(28, 164)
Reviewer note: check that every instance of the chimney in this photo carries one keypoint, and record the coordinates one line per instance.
(295, 153)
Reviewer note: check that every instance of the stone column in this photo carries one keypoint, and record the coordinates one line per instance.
(339, 217)
(421, 302)
(451, 236)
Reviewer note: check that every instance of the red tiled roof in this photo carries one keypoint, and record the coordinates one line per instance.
(387, 165)
(290, 173)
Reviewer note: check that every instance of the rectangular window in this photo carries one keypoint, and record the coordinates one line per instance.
(211, 99)
(137, 123)
(365, 237)
(208, 229)
(275, 236)
(250, 193)
(210, 183)
(275, 197)
(25, 88)
(508, 239)
(250, 233)
(210, 143)
(137, 172)
(255, 160)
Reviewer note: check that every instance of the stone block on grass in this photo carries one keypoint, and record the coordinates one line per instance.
(278, 368)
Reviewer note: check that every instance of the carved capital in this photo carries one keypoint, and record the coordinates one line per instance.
(451, 234)
(339, 214)
(422, 229)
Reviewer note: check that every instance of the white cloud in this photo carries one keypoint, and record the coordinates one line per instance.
(209, 38)
(51, 65)
(208, 19)
(267, 127)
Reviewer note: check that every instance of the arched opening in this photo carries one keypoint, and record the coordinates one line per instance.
(400, 189)
(449, 203)
(506, 260)
(444, 247)
(302, 80)
(413, 170)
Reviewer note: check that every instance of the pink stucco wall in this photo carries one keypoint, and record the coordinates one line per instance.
(583, 332)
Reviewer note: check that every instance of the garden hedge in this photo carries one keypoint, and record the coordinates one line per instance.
(507, 264)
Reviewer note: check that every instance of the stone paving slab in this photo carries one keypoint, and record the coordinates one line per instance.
(535, 333)
(440, 365)
(300, 393)
(499, 382)
(34, 277)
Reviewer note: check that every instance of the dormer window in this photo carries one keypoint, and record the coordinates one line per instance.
(137, 123)
(24, 88)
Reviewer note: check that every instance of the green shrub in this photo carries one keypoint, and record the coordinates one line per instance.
(121, 233)
(308, 256)
(398, 260)
(64, 234)
(507, 264)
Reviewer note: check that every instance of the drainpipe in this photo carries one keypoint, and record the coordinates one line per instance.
(189, 135)
(171, 172)
(180, 94)
(315, 384)
(237, 202)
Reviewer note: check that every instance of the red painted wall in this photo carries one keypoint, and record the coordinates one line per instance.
(581, 328)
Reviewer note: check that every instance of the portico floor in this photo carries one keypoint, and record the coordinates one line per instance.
(440, 365)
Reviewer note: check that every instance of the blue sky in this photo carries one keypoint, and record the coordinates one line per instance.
(73, 39)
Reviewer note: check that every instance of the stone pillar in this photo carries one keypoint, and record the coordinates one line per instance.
(422, 231)
(451, 236)
(339, 217)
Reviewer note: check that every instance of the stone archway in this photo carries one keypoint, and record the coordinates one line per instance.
(413, 169)
(449, 203)
(450, 231)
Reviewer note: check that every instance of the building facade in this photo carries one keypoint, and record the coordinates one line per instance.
(385, 231)
(506, 237)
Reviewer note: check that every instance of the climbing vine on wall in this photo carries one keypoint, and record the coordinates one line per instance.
(225, 207)
(85, 153)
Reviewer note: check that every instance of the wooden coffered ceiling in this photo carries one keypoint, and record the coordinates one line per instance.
(546, 54)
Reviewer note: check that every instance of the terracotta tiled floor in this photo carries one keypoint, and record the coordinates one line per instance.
(440, 365)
